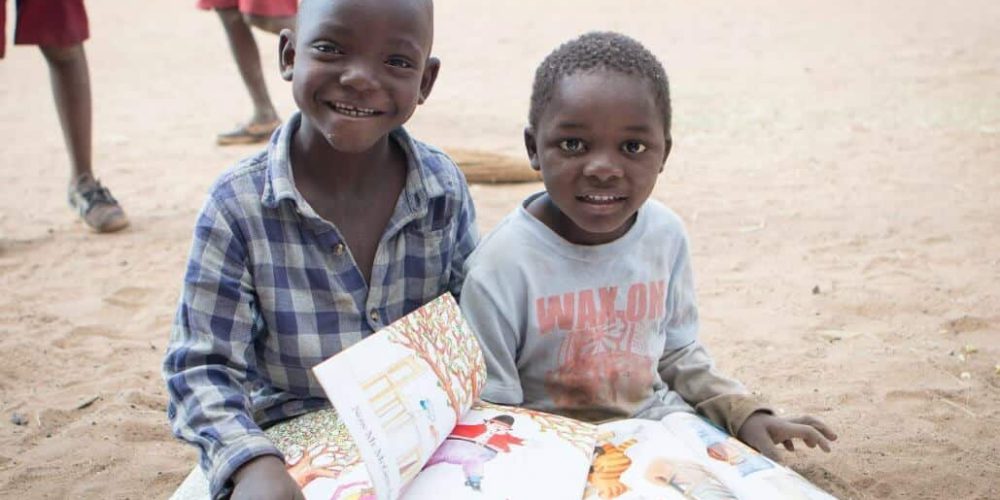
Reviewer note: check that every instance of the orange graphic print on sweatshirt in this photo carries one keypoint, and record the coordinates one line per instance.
(610, 344)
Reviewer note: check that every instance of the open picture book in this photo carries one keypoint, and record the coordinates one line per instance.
(407, 423)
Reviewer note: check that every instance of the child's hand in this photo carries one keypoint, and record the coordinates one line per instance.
(763, 431)
(265, 478)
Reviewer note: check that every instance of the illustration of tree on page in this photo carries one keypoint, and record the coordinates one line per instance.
(407, 424)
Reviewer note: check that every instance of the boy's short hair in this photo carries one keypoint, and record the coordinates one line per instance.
(600, 50)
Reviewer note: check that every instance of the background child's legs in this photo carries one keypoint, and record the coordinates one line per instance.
(237, 17)
(270, 24)
(59, 29)
(247, 56)
(3, 28)
(70, 80)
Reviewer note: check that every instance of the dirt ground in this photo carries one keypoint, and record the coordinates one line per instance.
(837, 165)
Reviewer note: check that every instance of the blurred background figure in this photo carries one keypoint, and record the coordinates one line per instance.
(237, 17)
(59, 28)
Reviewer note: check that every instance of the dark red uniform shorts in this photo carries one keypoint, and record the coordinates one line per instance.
(262, 8)
(52, 23)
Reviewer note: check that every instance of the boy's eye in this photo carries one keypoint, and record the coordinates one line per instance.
(633, 147)
(327, 48)
(399, 62)
(571, 145)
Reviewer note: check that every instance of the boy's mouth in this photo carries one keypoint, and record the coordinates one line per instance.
(601, 199)
(353, 111)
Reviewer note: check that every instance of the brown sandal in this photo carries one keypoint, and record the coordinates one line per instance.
(248, 133)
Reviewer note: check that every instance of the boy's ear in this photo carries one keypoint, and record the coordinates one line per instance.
(666, 151)
(532, 147)
(428, 78)
(286, 53)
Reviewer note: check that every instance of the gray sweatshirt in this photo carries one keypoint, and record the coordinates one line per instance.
(595, 332)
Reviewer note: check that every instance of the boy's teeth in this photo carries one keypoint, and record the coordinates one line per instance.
(600, 197)
(352, 111)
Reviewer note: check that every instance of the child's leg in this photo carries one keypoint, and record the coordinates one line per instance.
(70, 78)
(270, 24)
(247, 57)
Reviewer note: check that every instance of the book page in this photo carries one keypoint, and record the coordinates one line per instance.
(685, 456)
(321, 456)
(501, 452)
(401, 391)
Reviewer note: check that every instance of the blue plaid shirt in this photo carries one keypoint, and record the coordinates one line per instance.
(271, 290)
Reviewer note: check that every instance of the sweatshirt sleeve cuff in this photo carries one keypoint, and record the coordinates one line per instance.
(730, 411)
(232, 456)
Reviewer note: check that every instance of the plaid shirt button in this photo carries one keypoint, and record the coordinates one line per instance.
(338, 249)
(374, 316)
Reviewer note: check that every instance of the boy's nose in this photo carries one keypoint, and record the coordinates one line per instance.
(359, 77)
(602, 168)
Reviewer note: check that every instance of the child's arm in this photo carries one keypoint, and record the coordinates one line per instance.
(211, 352)
(686, 366)
(689, 370)
(466, 237)
(498, 338)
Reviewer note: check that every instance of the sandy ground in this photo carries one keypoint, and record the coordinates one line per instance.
(837, 163)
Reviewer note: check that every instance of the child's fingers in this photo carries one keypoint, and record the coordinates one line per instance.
(818, 425)
(807, 433)
(813, 438)
(824, 445)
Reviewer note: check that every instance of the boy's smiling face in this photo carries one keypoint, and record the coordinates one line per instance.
(600, 144)
(359, 68)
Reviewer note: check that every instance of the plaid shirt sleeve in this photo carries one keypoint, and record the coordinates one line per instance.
(466, 239)
(211, 352)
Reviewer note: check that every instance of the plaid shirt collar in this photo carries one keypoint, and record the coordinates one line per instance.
(280, 184)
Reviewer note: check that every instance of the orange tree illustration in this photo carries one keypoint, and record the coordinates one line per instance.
(323, 459)
(315, 445)
(438, 335)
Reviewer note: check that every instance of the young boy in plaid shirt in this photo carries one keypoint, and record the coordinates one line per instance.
(343, 224)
